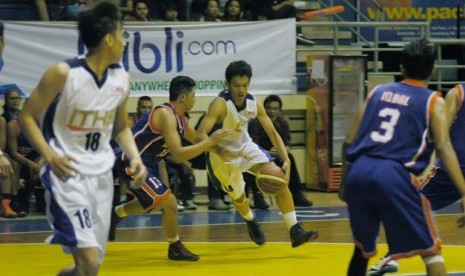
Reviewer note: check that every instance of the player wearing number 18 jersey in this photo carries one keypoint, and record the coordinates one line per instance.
(70, 118)
(390, 145)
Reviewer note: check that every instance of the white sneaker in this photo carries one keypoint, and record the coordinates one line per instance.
(189, 205)
(385, 265)
(181, 208)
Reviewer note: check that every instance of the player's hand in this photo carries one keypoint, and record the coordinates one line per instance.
(6, 170)
(139, 173)
(61, 166)
(219, 135)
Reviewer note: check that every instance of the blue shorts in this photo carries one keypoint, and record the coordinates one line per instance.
(152, 192)
(380, 190)
(439, 189)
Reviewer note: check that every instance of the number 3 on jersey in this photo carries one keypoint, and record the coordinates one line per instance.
(387, 125)
(92, 141)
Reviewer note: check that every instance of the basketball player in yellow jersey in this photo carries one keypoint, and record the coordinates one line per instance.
(80, 104)
(233, 108)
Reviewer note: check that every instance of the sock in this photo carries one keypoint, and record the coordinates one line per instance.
(173, 240)
(119, 210)
(290, 219)
(249, 216)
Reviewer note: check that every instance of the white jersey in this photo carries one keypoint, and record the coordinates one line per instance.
(238, 120)
(79, 123)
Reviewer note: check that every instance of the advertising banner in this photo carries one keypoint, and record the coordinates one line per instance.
(156, 53)
(441, 15)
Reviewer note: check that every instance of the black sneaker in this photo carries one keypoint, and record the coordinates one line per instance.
(299, 236)
(300, 200)
(255, 232)
(115, 219)
(178, 252)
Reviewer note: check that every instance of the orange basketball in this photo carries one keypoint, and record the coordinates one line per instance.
(271, 180)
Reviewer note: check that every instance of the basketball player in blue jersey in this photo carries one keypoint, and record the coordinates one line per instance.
(437, 186)
(233, 108)
(156, 134)
(70, 117)
(391, 143)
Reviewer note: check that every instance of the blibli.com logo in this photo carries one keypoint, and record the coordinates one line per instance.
(172, 52)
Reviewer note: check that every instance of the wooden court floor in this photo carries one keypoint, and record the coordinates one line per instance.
(222, 242)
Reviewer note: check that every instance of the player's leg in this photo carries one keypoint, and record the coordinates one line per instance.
(230, 177)
(285, 204)
(435, 265)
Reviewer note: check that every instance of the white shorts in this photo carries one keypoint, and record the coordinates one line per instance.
(79, 210)
(229, 174)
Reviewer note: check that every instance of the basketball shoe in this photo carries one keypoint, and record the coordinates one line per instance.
(255, 232)
(178, 252)
(385, 265)
(299, 236)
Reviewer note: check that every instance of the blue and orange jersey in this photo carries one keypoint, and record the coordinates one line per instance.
(150, 141)
(396, 125)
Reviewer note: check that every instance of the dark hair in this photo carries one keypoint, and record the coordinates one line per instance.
(417, 59)
(94, 24)
(238, 69)
(180, 85)
(229, 17)
(143, 98)
(273, 98)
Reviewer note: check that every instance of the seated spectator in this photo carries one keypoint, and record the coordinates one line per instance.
(273, 106)
(126, 6)
(182, 180)
(233, 11)
(30, 163)
(211, 12)
(11, 105)
(140, 12)
(8, 184)
(170, 11)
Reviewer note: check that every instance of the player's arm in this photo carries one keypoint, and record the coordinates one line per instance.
(166, 121)
(453, 102)
(190, 134)
(215, 113)
(48, 89)
(275, 139)
(444, 149)
(123, 136)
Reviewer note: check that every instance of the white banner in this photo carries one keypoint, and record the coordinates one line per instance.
(156, 53)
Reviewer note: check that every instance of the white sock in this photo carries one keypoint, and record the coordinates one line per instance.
(290, 219)
(119, 210)
(249, 216)
(173, 240)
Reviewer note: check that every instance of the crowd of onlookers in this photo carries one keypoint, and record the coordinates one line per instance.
(182, 10)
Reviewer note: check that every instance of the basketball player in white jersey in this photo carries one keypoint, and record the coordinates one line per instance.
(70, 117)
(233, 108)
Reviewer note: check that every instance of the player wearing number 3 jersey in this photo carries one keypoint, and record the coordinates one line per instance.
(70, 118)
(395, 133)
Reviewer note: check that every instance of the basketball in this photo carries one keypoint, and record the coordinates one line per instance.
(271, 180)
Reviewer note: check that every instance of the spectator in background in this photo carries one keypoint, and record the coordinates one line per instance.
(144, 105)
(233, 11)
(140, 12)
(30, 163)
(273, 107)
(211, 12)
(126, 6)
(8, 187)
(170, 11)
(11, 105)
